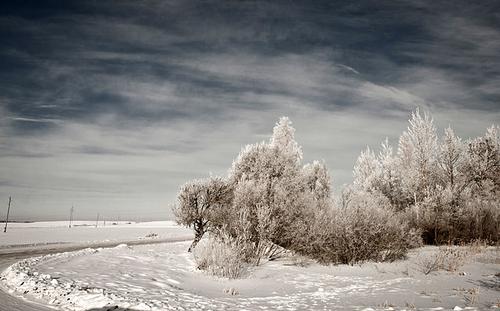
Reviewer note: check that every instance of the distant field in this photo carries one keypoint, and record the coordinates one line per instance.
(50, 232)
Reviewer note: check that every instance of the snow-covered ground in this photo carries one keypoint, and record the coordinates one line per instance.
(43, 233)
(163, 277)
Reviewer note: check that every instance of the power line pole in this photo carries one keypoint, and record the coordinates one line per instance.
(97, 220)
(71, 216)
(7, 219)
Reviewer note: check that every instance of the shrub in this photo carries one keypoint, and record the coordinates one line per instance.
(446, 258)
(222, 257)
(361, 231)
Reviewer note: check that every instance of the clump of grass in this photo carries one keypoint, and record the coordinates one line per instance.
(471, 296)
(476, 247)
(387, 305)
(231, 291)
(410, 305)
(496, 304)
(299, 261)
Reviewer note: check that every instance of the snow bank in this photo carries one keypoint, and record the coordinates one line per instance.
(22, 278)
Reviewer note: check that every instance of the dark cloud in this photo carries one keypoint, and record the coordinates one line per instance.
(142, 86)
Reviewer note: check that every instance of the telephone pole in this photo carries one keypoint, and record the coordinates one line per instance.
(97, 220)
(7, 219)
(71, 216)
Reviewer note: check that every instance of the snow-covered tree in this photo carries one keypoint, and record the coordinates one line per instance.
(448, 189)
(366, 170)
(283, 138)
(451, 164)
(417, 156)
(451, 157)
(265, 176)
(317, 180)
(389, 179)
(379, 174)
(201, 204)
(273, 188)
(483, 160)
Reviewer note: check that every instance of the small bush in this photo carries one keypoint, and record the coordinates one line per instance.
(222, 257)
(446, 258)
(429, 264)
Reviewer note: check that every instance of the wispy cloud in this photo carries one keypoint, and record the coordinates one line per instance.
(113, 105)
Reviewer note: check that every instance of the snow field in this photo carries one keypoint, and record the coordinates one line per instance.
(57, 232)
(164, 277)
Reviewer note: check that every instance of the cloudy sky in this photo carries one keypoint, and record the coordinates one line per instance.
(111, 105)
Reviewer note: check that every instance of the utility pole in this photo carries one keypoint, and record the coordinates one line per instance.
(97, 220)
(7, 220)
(71, 216)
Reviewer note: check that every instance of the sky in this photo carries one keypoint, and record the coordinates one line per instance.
(110, 106)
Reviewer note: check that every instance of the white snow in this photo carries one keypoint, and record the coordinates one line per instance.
(163, 277)
(42, 233)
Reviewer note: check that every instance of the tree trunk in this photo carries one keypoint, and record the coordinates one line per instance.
(197, 238)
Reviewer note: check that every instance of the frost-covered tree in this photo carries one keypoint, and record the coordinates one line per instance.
(274, 191)
(317, 180)
(283, 138)
(483, 160)
(366, 171)
(451, 164)
(451, 157)
(201, 204)
(448, 189)
(379, 174)
(389, 179)
(274, 170)
(440, 208)
(417, 156)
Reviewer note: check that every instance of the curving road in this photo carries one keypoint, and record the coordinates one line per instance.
(10, 256)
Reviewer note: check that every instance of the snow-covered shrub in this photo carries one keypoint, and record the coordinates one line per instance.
(361, 231)
(222, 257)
